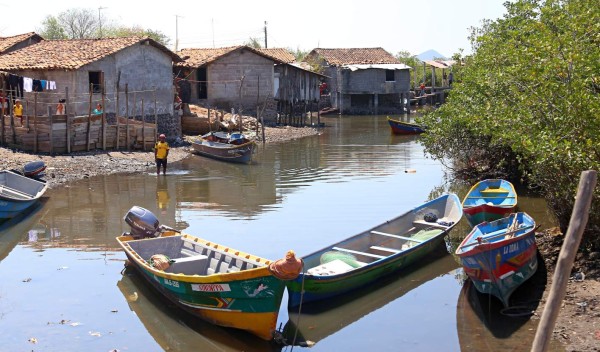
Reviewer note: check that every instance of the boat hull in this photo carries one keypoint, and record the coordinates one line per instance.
(247, 300)
(317, 288)
(489, 200)
(399, 127)
(396, 236)
(18, 193)
(498, 268)
(225, 152)
(485, 212)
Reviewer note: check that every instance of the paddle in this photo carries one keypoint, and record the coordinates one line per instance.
(499, 235)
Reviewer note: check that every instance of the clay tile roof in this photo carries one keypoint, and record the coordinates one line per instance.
(356, 56)
(71, 54)
(8, 42)
(196, 57)
(279, 54)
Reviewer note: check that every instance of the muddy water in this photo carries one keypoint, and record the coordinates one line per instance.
(63, 288)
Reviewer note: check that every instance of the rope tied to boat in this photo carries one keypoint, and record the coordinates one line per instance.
(287, 268)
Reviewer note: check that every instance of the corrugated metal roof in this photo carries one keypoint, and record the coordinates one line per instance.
(380, 66)
(440, 63)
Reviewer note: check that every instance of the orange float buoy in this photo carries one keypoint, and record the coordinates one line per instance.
(288, 268)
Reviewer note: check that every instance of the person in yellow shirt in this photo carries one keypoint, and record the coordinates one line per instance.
(18, 110)
(161, 151)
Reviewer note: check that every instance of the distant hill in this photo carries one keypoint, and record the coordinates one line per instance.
(430, 55)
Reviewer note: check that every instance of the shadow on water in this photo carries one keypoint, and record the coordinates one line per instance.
(318, 320)
(176, 330)
(484, 324)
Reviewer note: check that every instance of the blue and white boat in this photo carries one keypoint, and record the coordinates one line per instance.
(18, 192)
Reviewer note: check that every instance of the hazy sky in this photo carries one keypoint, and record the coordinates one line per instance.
(395, 25)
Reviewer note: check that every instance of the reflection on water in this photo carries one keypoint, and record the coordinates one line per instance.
(317, 321)
(61, 265)
(483, 325)
(174, 330)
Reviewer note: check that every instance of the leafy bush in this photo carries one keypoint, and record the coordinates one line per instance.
(527, 103)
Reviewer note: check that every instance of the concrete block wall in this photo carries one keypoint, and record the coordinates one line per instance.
(224, 77)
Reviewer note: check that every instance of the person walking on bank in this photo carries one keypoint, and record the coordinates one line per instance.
(161, 151)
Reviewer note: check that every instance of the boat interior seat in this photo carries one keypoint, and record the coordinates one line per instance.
(192, 265)
(425, 224)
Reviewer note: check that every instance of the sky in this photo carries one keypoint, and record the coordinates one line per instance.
(395, 25)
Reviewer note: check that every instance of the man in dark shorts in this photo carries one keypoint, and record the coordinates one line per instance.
(161, 151)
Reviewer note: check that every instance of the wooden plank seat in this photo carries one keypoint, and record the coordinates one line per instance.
(489, 197)
(396, 236)
(386, 249)
(13, 193)
(430, 224)
(191, 265)
(359, 252)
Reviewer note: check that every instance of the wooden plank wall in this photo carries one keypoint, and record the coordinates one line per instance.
(39, 136)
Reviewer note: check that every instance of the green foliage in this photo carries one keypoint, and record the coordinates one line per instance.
(51, 29)
(253, 43)
(531, 88)
(298, 53)
(122, 31)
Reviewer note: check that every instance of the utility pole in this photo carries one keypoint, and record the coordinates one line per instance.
(266, 34)
(100, 21)
(177, 32)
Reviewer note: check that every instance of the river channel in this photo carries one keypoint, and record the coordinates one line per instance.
(63, 288)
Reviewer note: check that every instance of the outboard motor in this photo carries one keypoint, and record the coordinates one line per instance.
(34, 169)
(142, 222)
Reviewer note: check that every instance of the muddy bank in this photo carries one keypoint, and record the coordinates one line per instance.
(61, 169)
(578, 323)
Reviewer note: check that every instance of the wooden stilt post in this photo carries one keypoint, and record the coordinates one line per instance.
(127, 116)
(35, 113)
(103, 116)
(155, 120)
(134, 114)
(12, 119)
(117, 117)
(143, 127)
(51, 130)
(579, 218)
(68, 122)
(89, 126)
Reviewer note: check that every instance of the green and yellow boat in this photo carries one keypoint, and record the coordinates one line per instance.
(216, 283)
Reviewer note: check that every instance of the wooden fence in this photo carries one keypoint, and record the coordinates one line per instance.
(59, 134)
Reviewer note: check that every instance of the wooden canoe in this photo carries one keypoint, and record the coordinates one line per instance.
(218, 284)
(500, 255)
(234, 147)
(17, 193)
(401, 127)
(383, 250)
(489, 200)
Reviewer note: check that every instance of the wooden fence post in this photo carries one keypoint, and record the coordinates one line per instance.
(579, 218)
(117, 117)
(143, 127)
(103, 116)
(89, 126)
(35, 134)
(51, 130)
(68, 121)
(12, 119)
(127, 115)
(155, 119)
